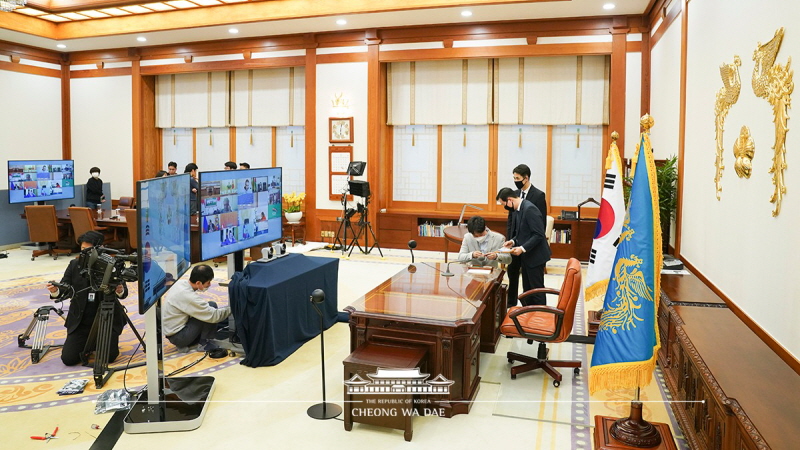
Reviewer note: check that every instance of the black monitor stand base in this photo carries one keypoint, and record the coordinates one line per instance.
(186, 401)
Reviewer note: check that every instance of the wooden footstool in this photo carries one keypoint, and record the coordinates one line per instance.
(372, 400)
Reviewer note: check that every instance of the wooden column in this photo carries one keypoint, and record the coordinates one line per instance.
(619, 44)
(136, 120)
(681, 125)
(645, 100)
(66, 114)
(374, 126)
(312, 224)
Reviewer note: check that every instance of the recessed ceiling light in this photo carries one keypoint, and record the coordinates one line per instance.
(233, 31)
(466, 13)
(608, 6)
(341, 22)
(61, 46)
(141, 39)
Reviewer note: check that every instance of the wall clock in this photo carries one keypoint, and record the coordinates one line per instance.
(340, 129)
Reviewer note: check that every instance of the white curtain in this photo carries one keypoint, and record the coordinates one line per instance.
(552, 90)
(451, 92)
(268, 97)
(192, 100)
(262, 98)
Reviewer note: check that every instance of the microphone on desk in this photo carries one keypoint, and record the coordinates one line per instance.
(412, 244)
(447, 272)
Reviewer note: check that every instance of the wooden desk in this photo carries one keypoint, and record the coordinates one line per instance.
(454, 234)
(710, 355)
(420, 308)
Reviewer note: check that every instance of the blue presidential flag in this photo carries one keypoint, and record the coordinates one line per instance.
(627, 341)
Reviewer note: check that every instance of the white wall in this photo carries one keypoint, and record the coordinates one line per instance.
(101, 113)
(332, 79)
(665, 85)
(735, 242)
(31, 122)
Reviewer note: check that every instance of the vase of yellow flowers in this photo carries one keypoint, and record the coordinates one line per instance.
(291, 206)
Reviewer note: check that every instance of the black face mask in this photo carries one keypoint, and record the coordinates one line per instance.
(508, 208)
(519, 184)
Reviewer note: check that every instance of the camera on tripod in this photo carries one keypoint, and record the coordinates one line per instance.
(106, 268)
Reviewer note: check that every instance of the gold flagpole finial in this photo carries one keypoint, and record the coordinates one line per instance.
(647, 122)
(614, 136)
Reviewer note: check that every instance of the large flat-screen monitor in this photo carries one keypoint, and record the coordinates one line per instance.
(163, 227)
(239, 209)
(33, 181)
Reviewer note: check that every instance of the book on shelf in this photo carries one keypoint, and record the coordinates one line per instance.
(428, 229)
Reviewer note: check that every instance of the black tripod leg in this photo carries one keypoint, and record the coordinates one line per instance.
(106, 314)
(355, 241)
(374, 239)
(138, 336)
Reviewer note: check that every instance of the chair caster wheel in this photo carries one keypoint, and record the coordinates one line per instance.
(33, 259)
(556, 383)
(513, 376)
(577, 371)
(510, 361)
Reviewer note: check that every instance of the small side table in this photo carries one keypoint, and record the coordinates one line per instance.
(297, 230)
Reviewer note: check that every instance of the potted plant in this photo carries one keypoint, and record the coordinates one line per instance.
(292, 204)
(667, 180)
(667, 183)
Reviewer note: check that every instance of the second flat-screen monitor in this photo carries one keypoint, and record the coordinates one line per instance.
(239, 209)
(164, 240)
(40, 180)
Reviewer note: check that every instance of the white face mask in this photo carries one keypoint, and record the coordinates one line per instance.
(95, 174)
(481, 239)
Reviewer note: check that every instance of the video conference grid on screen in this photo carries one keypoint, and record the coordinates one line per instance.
(239, 209)
(31, 181)
(164, 242)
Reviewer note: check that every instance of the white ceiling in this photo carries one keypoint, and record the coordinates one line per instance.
(486, 13)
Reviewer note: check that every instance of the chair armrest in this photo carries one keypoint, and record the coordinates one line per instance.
(100, 228)
(539, 291)
(537, 308)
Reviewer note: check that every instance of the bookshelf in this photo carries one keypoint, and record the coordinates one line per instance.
(396, 228)
(572, 238)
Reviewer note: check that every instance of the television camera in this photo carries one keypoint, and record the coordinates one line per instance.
(106, 268)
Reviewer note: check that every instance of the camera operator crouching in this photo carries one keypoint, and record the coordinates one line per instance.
(84, 306)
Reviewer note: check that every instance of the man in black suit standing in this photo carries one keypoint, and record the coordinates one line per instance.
(526, 191)
(527, 241)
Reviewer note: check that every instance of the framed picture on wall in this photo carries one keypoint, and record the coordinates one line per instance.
(340, 129)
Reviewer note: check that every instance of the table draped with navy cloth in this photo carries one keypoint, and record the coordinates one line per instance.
(272, 307)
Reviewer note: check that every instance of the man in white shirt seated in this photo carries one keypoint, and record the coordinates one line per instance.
(480, 245)
(187, 318)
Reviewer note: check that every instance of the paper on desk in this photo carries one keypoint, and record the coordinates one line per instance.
(479, 271)
(674, 272)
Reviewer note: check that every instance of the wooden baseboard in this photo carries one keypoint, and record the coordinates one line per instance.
(776, 347)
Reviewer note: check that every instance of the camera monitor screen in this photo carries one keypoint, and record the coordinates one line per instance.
(163, 227)
(32, 181)
(239, 209)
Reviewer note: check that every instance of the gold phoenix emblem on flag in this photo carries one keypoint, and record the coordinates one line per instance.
(631, 288)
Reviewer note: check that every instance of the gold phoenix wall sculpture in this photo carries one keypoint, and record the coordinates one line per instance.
(726, 97)
(774, 83)
(743, 149)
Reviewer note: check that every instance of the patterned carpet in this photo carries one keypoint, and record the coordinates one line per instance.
(26, 385)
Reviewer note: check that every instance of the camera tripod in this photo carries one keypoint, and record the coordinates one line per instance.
(364, 224)
(38, 327)
(341, 232)
(99, 340)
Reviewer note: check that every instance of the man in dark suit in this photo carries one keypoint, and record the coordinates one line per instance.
(194, 186)
(527, 241)
(84, 307)
(526, 191)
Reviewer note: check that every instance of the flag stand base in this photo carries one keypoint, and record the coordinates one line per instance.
(630, 433)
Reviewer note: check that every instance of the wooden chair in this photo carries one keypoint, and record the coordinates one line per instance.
(83, 221)
(545, 324)
(133, 229)
(43, 227)
(126, 203)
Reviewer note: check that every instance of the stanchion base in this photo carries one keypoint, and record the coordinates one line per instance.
(323, 411)
(603, 439)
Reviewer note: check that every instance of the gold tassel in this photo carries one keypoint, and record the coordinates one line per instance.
(520, 138)
(210, 139)
(412, 137)
(174, 139)
(291, 138)
(579, 138)
(251, 136)
(465, 137)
